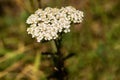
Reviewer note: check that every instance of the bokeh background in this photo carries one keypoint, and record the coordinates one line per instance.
(95, 42)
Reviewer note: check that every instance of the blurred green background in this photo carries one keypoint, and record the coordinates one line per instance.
(95, 42)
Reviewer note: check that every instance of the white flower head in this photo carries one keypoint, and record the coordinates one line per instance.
(48, 23)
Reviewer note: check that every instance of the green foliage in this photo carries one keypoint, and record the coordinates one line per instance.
(95, 42)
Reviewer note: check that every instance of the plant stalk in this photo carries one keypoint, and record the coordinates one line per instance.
(59, 72)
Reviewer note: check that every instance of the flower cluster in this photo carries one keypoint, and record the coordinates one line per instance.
(48, 23)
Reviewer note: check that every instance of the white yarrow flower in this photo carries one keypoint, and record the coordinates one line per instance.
(48, 23)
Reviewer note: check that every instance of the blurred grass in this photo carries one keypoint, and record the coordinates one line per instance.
(95, 42)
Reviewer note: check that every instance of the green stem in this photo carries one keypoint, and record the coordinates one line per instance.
(60, 72)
